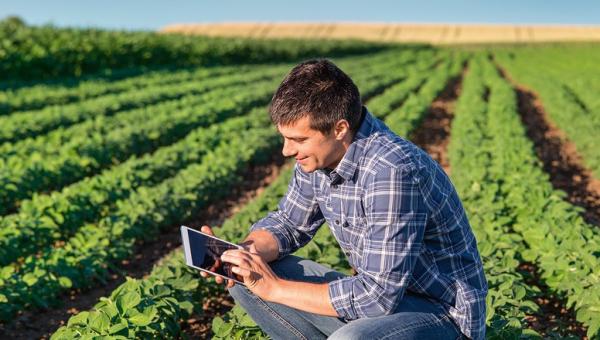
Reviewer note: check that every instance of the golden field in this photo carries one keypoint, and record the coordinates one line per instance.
(426, 33)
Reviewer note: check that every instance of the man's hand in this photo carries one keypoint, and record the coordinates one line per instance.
(257, 274)
(230, 283)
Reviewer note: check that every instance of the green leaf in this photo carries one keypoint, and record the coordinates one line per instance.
(128, 301)
(247, 321)
(593, 329)
(531, 333)
(114, 329)
(217, 323)
(65, 282)
(80, 319)
(99, 322)
(30, 279)
(187, 306)
(140, 320)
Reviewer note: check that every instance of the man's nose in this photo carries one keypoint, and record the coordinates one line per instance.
(287, 150)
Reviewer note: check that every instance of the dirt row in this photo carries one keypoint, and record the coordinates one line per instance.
(41, 324)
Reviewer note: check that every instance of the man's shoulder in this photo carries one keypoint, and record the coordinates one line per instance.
(386, 150)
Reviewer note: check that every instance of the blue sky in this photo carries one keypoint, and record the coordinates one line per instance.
(152, 14)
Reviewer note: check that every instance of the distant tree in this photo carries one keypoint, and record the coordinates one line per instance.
(12, 22)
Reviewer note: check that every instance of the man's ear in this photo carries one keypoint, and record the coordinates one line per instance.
(341, 129)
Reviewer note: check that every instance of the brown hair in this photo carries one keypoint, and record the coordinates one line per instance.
(321, 90)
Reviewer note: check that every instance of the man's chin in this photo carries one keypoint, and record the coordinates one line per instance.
(306, 168)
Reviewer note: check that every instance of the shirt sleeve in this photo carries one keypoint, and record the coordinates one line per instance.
(298, 217)
(396, 218)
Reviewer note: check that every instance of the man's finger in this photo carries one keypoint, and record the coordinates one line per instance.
(237, 253)
(240, 261)
(241, 271)
(206, 229)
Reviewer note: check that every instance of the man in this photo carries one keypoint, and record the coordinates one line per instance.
(393, 211)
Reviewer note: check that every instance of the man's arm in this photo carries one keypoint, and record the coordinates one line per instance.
(306, 296)
(265, 243)
(290, 227)
(293, 225)
(262, 281)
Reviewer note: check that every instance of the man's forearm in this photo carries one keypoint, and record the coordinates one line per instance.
(306, 296)
(265, 243)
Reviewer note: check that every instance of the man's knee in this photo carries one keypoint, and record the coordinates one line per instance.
(282, 266)
(348, 332)
(240, 293)
(297, 268)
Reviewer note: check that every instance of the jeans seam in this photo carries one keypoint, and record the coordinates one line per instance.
(416, 325)
(278, 317)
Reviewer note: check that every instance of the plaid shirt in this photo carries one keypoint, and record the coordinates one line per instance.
(398, 218)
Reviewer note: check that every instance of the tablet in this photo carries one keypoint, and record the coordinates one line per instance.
(203, 252)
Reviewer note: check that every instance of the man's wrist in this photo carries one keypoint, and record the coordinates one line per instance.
(278, 292)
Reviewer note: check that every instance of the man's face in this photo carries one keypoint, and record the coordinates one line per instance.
(312, 149)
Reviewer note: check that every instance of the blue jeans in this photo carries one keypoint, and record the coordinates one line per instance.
(415, 318)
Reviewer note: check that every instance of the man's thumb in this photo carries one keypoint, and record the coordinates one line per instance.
(206, 229)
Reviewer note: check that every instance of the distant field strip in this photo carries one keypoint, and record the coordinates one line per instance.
(415, 33)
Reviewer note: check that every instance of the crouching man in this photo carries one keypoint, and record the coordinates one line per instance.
(393, 211)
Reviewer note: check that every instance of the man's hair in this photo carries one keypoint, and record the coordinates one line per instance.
(319, 89)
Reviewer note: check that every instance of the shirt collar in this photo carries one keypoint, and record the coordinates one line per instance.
(348, 164)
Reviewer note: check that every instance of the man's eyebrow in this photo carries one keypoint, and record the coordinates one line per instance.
(295, 137)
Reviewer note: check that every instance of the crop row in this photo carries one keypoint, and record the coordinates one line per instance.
(509, 298)
(87, 256)
(47, 219)
(137, 133)
(38, 122)
(38, 96)
(41, 95)
(513, 200)
(569, 97)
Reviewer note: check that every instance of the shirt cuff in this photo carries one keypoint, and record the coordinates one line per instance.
(340, 295)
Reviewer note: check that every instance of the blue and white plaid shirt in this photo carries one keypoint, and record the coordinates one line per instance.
(399, 220)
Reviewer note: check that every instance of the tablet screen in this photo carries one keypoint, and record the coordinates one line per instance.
(205, 253)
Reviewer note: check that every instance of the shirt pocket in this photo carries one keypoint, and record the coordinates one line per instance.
(355, 229)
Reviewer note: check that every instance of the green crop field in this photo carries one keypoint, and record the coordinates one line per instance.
(111, 140)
